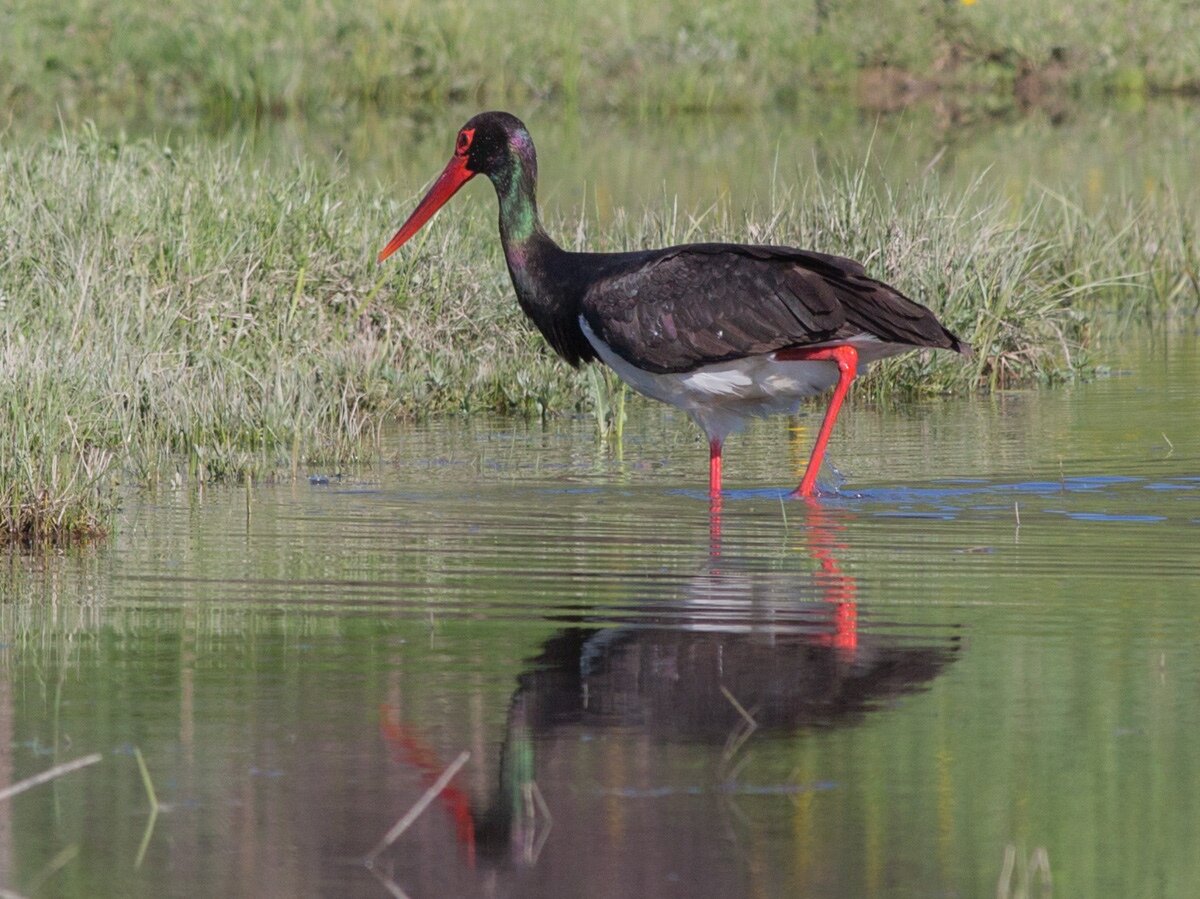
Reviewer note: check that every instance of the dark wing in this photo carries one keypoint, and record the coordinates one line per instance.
(677, 309)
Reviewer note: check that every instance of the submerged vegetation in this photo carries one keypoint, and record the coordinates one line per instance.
(231, 58)
(185, 316)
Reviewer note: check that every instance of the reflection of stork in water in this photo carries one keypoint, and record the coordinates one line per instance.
(782, 648)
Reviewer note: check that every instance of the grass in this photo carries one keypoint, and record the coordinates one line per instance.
(233, 58)
(181, 317)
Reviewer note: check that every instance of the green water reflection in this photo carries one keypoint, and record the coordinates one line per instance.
(598, 166)
(946, 702)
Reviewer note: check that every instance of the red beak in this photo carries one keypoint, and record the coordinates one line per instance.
(453, 176)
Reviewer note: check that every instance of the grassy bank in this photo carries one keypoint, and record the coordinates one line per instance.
(187, 317)
(232, 58)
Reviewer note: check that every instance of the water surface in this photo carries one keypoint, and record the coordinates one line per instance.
(972, 672)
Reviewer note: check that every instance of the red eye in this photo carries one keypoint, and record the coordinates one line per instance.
(464, 140)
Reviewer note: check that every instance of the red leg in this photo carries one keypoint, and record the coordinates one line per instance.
(846, 358)
(714, 497)
(714, 468)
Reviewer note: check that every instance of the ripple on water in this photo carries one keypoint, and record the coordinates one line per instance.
(655, 701)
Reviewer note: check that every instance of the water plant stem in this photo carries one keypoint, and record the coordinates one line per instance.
(419, 806)
(51, 774)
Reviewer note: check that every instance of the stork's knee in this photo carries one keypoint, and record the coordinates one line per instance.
(847, 359)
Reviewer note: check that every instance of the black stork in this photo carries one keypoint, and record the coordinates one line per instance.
(723, 331)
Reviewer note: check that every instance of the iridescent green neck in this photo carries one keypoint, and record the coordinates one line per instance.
(516, 185)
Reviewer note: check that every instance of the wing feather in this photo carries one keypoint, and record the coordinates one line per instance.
(684, 307)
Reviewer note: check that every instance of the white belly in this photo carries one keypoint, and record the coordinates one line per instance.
(722, 397)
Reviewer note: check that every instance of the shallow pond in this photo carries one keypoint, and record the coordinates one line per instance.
(973, 672)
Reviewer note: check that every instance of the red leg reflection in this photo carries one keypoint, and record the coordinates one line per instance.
(835, 586)
(409, 748)
(714, 526)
